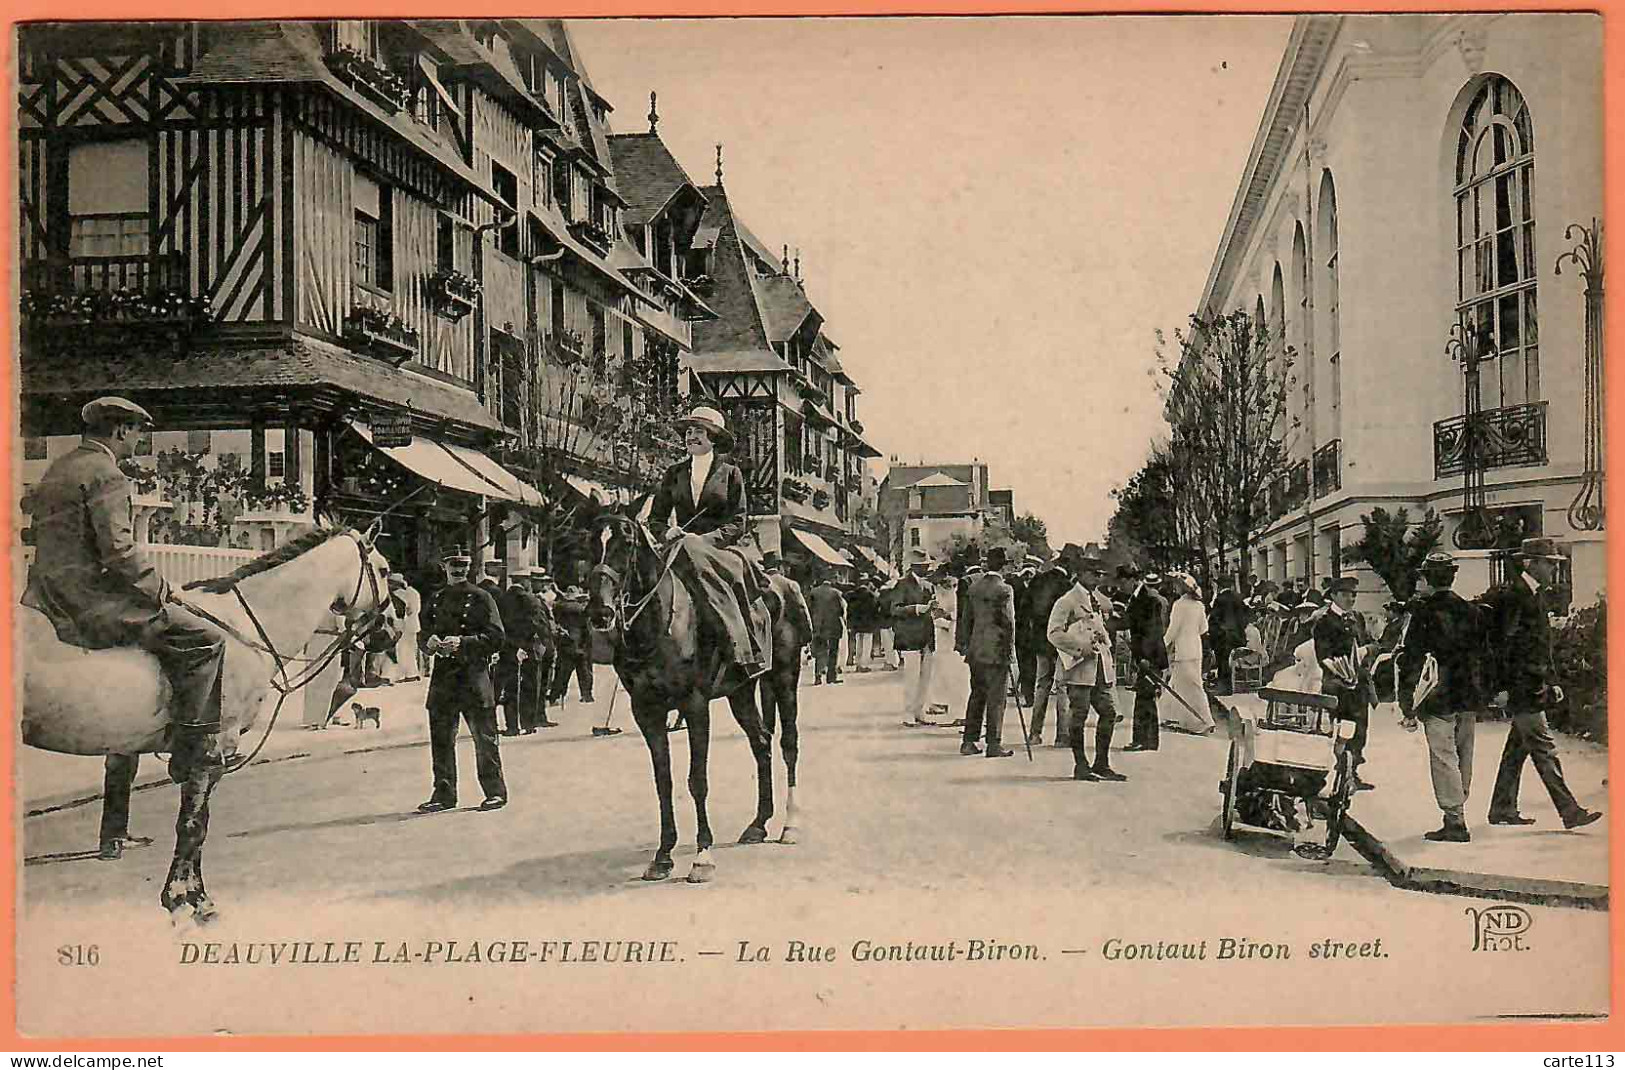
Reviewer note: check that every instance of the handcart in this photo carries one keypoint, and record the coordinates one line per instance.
(1288, 765)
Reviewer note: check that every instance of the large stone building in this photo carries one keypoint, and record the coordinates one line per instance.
(928, 506)
(367, 267)
(1400, 223)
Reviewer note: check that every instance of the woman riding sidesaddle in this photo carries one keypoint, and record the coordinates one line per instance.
(706, 496)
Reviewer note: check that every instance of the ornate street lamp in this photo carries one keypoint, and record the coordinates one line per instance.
(1471, 347)
(1586, 511)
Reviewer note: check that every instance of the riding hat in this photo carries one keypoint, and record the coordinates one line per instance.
(1543, 548)
(714, 425)
(1343, 585)
(115, 409)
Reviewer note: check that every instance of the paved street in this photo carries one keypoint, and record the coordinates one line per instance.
(894, 819)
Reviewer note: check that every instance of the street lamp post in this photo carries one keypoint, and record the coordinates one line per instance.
(1586, 512)
(1471, 347)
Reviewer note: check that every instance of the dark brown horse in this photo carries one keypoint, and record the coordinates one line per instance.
(779, 689)
(666, 662)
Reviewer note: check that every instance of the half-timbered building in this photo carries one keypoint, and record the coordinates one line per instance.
(766, 361)
(355, 258)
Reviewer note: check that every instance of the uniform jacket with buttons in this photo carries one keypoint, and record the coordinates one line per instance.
(464, 678)
(89, 576)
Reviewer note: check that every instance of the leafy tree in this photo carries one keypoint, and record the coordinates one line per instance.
(1226, 404)
(590, 411)
(1394, 548)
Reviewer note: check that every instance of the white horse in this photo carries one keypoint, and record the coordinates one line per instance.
(116, 700)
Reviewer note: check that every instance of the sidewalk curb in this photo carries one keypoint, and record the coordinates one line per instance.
(1552, 893)
(76, 801)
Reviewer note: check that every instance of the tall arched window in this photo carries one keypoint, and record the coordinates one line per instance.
(1495, 238)
(1277, 308)
(1303, 325)
(1334, 348)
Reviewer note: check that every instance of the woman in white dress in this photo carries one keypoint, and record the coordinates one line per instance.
(406, 649)
(950, 679)
(1186, 634)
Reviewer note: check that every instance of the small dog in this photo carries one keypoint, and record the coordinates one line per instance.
(362, 714)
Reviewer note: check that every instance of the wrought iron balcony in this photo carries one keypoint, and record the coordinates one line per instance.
(1297, 484)
(1329, 468)
(1494, 438)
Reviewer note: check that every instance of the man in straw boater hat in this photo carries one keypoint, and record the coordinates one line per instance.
(1439, 654)
(462, 630)
(1146, 619)
(911, 608)
(1522, 669)
(91, 579)
(705, 495)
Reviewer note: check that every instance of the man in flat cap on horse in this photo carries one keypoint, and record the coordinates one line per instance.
(90, 578)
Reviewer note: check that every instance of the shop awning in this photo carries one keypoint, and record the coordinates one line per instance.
(820, 549)
(876, 560)
(439, 465)
(589, 489)
(506, 482)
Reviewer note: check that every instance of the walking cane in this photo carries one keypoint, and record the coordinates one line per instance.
(1020, 716)
(606, 730)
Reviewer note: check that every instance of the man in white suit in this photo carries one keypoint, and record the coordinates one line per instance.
(1085, 664)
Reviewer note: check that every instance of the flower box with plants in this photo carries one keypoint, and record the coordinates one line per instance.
(369, 77)
(795, 490)
(591, 232)
(382, 334)
(820, 498)
(832, 473)
(568, 346)
(808, 391)
(857, 425)
(453, 294)
(133, 307)
(277, 498)
(701, 284)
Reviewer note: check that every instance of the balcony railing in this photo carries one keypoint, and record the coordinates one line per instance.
(1297, 484)
(1494, 438)
(369, 77)
(71, 296)
(104, 274)
(1329, 468)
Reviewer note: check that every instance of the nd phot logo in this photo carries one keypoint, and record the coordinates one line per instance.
(1500, 928)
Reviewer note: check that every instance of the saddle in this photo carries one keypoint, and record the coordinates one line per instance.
(80, 701)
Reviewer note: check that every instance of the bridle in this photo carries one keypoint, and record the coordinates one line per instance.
(315, 666)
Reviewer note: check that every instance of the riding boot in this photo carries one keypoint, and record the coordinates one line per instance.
(1104, 728)
(192, 746)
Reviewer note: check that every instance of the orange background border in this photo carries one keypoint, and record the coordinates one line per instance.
(1551, 1037)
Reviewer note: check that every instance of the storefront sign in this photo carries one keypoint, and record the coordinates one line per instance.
(391, 431)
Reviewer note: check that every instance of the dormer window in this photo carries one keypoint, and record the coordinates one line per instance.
(358, 35)
(485, 34)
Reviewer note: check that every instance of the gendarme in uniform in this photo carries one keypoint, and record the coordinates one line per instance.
(462, 630)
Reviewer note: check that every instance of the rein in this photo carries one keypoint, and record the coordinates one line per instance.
(627, 619)
(315, 665)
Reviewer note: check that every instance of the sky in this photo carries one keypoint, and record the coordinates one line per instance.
(994, 215)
